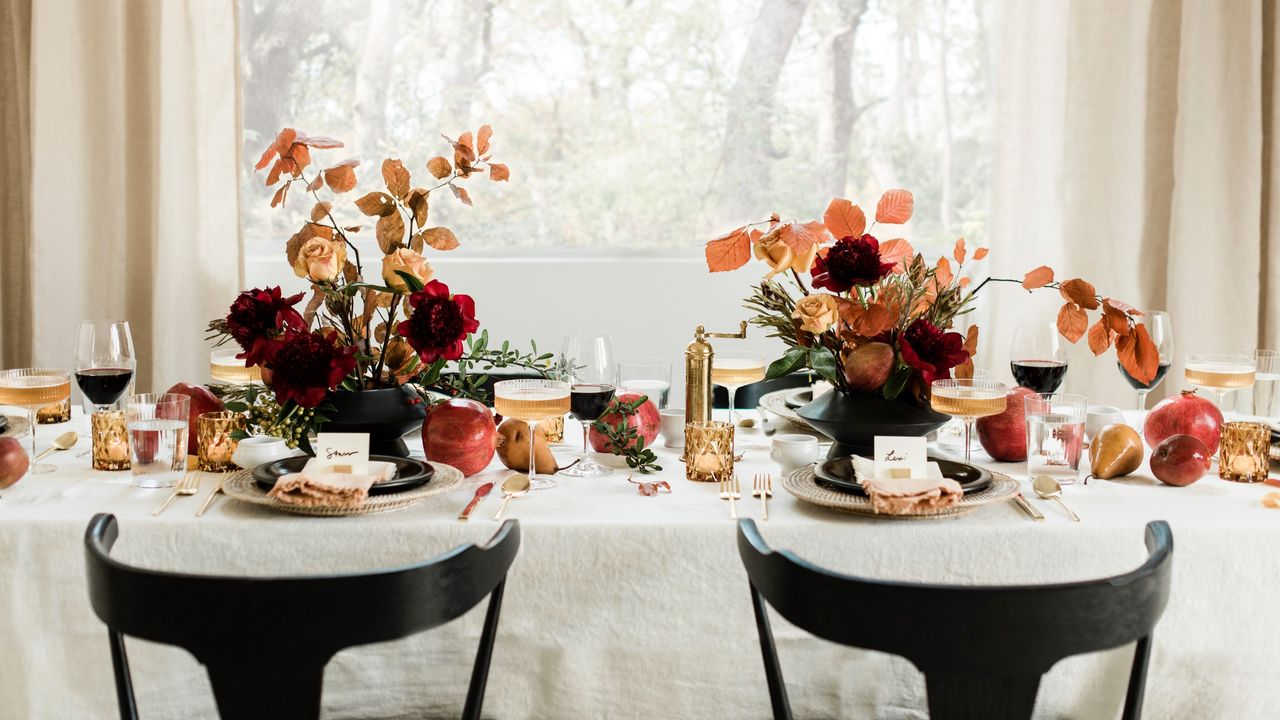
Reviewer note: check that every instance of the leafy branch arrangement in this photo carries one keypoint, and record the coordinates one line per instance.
(623, 438)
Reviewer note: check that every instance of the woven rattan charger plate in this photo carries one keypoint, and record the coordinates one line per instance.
(776, 403)
(804, 486)
(240, 486)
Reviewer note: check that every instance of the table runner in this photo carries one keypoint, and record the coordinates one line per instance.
(627, 606)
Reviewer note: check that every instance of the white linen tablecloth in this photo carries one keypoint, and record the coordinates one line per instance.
(624, 606)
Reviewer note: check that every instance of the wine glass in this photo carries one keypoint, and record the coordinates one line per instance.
(648, 376)
(968, 399)
(588, 362)
(33, 388)
(1220, 373)
(1038, 358)
(105, 362)
(1161, 332)
(225, 367)
(532, 401)
(732, 370)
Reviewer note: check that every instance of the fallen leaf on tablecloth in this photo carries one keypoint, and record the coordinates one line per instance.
(1271, 500)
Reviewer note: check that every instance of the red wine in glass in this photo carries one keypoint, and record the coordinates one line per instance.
(587, 401)
(1136, 384)
(1043, 376)
(103, 386)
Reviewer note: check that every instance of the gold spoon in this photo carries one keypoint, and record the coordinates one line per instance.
(1049, 489)
(65, 441)
(514, 486)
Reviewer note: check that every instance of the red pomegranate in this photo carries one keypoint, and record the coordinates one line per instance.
(460, 433)
(1004, 436)
(645, 421)
(1185, 414)
(202, 401)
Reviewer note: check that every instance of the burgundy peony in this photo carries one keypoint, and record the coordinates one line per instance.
(259, 315)
(930, 350)
(439, 322)
(851, 261)
(306, 365)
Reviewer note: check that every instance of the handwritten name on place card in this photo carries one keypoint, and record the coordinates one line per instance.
(344, 452)
(901, 456)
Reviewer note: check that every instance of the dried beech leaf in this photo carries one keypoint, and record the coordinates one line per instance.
(897, 251)
(800, 237)
(866, 321)
(320, 210)
(729, 251)
(959, 252)
(417, 203)
(895, 207)
(1038, 278)
(319, 141)
(1146, 356)
(342, 177)
(301, 156)
(396, 177)
(1079, 292)
(390, 231)
(317, 183)
(942, 274)
(980, 253)
(482, 139)
(416, 243)
(376, 203)
(965, 369)
(1099, 337)
(440, 238)
(293, 247)
(439, 167)
(267, 155)
(499, 172)
(844, 219)
(1072, 321)
(971, 340)
(278, 198)
(1116, 319)
(350, 272)
(460, 193)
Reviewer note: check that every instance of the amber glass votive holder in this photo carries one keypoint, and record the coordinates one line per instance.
(58, 412)
(1244, 455)
(110, 437)
(552, 429)
(214, 444)
(708, 450)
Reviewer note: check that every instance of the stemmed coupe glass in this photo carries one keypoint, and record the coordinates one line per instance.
(33, 388)
(968, 399)
(732, 370)
(1220, 373)
(587, 359)
(532, 401)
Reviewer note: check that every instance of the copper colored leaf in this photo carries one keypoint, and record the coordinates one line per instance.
(943, 273)
(301, 156)
(800, 237)
(1116, 319)
(440, 238)
(1072, 321)
(416, 243)
(866, 321)
(971, 340)
(1079, 292)
(417, 202)
(353, 228)
(285, 140)
(1038, 278)
(1123, 307)
(350, 272)
(897, 251)
(317, 183)
(376, 203)
(959, 252)
(390, 231)
(895, 207)
(267, 155)
(439, 167)
(482, 139)
(293, 247)
(396, 177)
(729, 251)
(278, 198)
(460, 193)
(965, 369)
(1099, 337)
(499, 172)
(1138, 354)
(980, 253)
(844, 219)
(320, 142)
(273, 176)
(341, 178)
(320, 210)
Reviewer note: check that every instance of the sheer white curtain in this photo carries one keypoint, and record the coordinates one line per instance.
(1132, 143)
(133, 146)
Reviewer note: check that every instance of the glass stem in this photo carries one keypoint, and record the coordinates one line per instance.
(732, 398)
(533, 461)
(31, 415)
(1142, 399)
(968, 429)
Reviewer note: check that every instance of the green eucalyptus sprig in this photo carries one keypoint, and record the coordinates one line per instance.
(623, 438)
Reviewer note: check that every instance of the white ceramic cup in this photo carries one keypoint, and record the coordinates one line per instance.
(671, 422)
(793, 452)
(258, 449)
(1099, 416)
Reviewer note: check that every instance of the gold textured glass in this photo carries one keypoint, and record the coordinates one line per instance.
(1244, 455)
(110, 436)
(708, 450)
(56, 413)
(214, 441)
(553, 429)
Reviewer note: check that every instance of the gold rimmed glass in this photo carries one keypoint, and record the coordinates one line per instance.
(1244, 455)
(225, 367)
(732, 370)
(215, 441)
(1220, 373)
(708, 451)
(968, 399)
(34, 388)
(532, 401)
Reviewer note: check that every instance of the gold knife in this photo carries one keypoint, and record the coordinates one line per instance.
(481, 492)
(1021, 501)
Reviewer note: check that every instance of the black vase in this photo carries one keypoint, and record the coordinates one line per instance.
(385, 414)
(853, 420)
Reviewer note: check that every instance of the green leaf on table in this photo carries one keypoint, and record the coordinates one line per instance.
(897, 381)
(793, 360)
(824, 363)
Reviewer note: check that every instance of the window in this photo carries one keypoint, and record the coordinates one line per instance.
(634, 126)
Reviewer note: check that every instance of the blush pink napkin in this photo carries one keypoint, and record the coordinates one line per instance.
(314, 488)
(911, 496)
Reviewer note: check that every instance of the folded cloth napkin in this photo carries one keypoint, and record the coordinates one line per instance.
(908, 496)
(316, 486)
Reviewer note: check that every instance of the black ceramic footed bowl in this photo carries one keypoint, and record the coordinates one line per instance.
(853, 420)
(385, 414)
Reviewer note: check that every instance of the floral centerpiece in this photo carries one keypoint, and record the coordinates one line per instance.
(359, 353)
(878, 321)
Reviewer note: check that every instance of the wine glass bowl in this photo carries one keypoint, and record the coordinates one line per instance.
(650, 377)
(105, 362)
(1038, 359)
(1160, 330)
(532, 401)
(732, 370)
(1220, 373)
(32, 389)
(587, 363)
(968, 399)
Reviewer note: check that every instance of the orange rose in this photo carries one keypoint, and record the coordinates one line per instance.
(816, 313)
(320, 260)
(406, 261)
(780, 257)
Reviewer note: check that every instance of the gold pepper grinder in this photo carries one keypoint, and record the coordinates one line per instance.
(697, 373)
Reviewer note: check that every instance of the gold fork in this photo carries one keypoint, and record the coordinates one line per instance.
(190, 485)
(762, 487)
(209, 500)
(735, 493)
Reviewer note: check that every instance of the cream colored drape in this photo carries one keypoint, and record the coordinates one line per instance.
(1135, 150)
(133, 143)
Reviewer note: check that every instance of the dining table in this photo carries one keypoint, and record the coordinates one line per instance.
(625, 605)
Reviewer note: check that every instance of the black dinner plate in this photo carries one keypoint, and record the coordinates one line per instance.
(838, 475)
(410, 473)
(798, 400)
(4, 423)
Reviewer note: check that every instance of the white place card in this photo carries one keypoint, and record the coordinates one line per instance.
(343, 452)
(901, 457)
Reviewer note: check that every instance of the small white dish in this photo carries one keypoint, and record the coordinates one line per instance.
(1099, 416)
(258, 449)
(671, 423)
(793, 452)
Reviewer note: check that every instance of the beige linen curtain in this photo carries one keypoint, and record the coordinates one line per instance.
(133, 149)
(1135, 150)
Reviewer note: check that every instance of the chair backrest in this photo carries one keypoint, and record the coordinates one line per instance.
(966, 634)
(275, 634)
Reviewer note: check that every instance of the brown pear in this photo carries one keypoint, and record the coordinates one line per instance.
(1115, 451)
(867, 368)
(513, 447)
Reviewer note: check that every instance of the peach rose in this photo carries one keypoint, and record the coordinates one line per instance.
(407, 261)
(321, 260)
(780, 257)
(816, 313)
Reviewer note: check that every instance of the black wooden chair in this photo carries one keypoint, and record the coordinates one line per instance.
(982, 650)
(266, 641)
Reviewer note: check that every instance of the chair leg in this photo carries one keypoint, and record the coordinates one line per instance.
(960, 697)
(1137, 679)
(484, 656)
(124, 682)
(772, 670)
